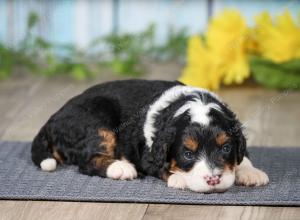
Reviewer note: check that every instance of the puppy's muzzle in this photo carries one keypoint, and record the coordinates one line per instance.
(212, 180)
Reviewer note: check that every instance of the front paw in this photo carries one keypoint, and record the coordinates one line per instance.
(121, 170)
(251, 176)
(176, 181)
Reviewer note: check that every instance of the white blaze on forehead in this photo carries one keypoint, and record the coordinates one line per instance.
(168, 97)
(198, 111)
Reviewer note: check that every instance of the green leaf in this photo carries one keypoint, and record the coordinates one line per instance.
(42, 44)
(276, 76)
(80, 72)
(293, 66)
(32, 20)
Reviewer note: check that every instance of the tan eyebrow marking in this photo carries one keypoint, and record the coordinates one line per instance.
(222, 138)
(191, 144)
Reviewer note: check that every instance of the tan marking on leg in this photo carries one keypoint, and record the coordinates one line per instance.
(173, 177)
(102, 162)
(57, 156)
(108, 140)
(229, 167)
(165, 175)
(174, 167)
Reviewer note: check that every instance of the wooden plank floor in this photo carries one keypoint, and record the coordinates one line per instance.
(271, 119)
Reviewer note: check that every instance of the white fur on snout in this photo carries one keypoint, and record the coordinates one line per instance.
(48, 164)
(195, 181)
(227, 180)
(121, 170)
(248, 175)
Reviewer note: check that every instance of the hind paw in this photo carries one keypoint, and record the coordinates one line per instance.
(48, 164)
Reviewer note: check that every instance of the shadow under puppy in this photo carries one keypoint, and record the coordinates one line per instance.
(184, 135)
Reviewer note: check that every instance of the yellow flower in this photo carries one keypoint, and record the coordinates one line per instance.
(278, 40)
(226, 38)
(201, 69)
(252, 46)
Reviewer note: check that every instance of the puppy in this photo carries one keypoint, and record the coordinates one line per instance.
(184, 135)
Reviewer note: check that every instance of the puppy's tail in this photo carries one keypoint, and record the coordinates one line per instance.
(41, 153)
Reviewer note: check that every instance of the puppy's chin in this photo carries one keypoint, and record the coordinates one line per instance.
(226, 181)
(195, 179)
(197, 184)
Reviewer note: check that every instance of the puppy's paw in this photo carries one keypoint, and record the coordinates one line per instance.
(251, 176)
(48, 164)
(176, 181)
(121, 170)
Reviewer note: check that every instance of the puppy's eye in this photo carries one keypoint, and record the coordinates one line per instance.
(188, 155)
(226, 148)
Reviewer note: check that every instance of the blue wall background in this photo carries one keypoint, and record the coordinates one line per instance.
(80, 21)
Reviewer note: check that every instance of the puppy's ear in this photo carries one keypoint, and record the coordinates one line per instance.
(155, 162)
(241, 143)
(236, 130)
(161, 146)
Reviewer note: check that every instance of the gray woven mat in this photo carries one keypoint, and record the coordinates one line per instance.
(20, 179)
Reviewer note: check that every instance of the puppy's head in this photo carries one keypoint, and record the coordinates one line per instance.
(206, 155)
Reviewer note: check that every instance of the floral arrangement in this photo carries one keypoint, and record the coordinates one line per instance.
(230, 52)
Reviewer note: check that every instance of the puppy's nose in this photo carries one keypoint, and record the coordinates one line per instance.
(212, 180)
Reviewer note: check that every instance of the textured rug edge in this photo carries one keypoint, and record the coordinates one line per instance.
(122, 199)
(153, 201)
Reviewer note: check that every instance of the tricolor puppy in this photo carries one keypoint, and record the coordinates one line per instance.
(181, 134)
